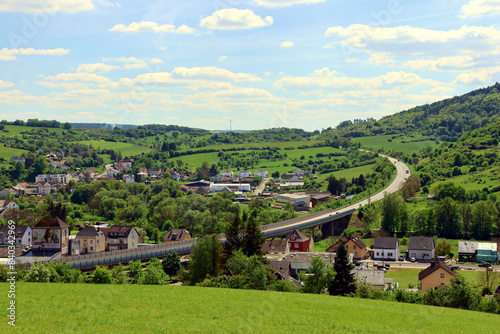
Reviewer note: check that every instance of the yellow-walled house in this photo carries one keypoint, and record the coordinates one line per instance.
(354, 246)
(92, 240)
(436, 275)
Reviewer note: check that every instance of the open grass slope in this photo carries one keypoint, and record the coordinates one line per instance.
(127, 149)
(382, 141)
(81, 308)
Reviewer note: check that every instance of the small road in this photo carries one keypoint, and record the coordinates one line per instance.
(260, 188)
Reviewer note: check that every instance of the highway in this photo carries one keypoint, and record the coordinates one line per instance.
(276, 229)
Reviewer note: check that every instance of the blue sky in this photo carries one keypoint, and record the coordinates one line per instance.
(262, 63)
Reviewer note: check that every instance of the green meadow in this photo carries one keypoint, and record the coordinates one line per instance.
(86, 308)
(382, 141)
(405, 276)
(127, 149)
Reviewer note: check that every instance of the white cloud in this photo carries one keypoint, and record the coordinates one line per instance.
(222, 58)
(232, 18)
(479, 8)
(134, 66)
(75, 80)
(286, 44)
(50, 6)
(19, 98)
(11, 54)
(380, 58)
(442, 63)
(124, 59)
(212, 73)
(96, 68)
(6, 84)
(152, 26)
(155, 61)
(481, 77)
(284, 3)
(324, 78)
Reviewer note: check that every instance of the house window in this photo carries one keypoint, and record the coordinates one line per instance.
(121, 241)
(378, 253)
(354, 247)
(389, 254)
(296, 245)
(91, 242)
(355, 253)
(347, 247)
(442, 275)
(91, 248)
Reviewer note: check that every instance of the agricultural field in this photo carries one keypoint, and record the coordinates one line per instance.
(86, 308)
(9, 152)
(127, 149)
(382, 141)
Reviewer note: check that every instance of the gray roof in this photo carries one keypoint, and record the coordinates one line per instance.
(421, 243)
(19, 231)
(386, 243)
(88, 232)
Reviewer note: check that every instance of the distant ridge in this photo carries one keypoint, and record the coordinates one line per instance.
(103, 125)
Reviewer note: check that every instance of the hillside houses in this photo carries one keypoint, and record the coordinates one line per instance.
(18, 159)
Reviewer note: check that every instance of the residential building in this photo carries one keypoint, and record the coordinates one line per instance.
(353, 245)
(486, 251)
(375, 278)
(156, 171)
(297, 262)
(51, 234)
(55, 178)
(216, 187)
(216, 178)
(7, 205)
(301, 205)
(320, 199)
(290, 177)
(18, 159)
(177, 234)
(436, 275)
(128, 178)
(8, 192)
(111, 172)
(421, 248)
(175, 176)
(244, 173)
(227, 173)
(125, 163)
(121, 237)
(22, 235)
(57, 164)
(46, 188)
(467, 251)
(92, 240)
(386, 248)
(299, 242)
(261, 173)
(276, 246)
(301, 172)
(292, 198)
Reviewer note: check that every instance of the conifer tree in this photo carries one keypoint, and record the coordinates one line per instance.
(343, 283)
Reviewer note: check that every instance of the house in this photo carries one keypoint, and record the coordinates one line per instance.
(292, 198)
(261, 173)
(301, 205)
(92, 240)
(298, 262)
(8, 192)
(421, 248)
(143, 170)
(216, 178)
(6, 206)
(244, 173)
(436, 275)
(57, 164)
(486, 251)
(276, 246)
(51, 234)
(177, 234)
(60, 153)
(467, 251)
(299, 242)
(353, 245)
(45, 188)
(386, 248)
(375, 278)
(290, 177)
(156, 171)
(55, 178)
(90, 171)
(227, 173)
(22, 235)
(128, 178)
(121, 237)
(175, 176)
(301, 172)
(216, 187)
(18, 159)
(111, 172)
(319, 199)
(125, 163)
(51, 155)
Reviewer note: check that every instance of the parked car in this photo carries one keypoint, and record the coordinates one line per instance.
(375, 264)
(485, 264)
(401, 258)
(356, 263)
(384, 268)
(413, 259)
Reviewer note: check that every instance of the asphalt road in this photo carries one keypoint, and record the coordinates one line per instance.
(396, 184)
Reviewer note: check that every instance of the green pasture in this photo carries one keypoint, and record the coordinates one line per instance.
(382, 141)
(89, 308)
(127, 149)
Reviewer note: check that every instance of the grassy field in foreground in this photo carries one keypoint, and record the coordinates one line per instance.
(85, 308)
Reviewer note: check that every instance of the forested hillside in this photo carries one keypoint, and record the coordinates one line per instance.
(445, 120)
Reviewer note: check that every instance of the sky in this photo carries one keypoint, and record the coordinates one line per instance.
(258, 64)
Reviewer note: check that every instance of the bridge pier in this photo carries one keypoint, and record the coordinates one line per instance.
(335, 227)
